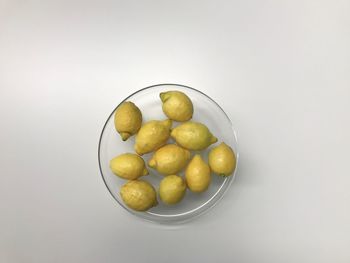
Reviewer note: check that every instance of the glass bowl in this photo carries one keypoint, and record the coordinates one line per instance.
(206, 111)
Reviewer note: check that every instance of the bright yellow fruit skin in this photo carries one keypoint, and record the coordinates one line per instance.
(127, 119)
(128, 166)
(222, 160)
(152, 136)
(197, 175)
(169, 159)
(139, 195)
(177, 105)
(172, 189)
(193, 136)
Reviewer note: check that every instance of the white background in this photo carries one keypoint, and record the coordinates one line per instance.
(280, 69)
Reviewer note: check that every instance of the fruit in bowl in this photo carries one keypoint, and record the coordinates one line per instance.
(170, 145)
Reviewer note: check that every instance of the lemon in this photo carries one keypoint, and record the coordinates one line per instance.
(222, 160)
(152, 136)
(128, 166)
(193, 136)
(127, 119)
(172, 189)
(139, 195)
(169, 159)
(197, 175)
(177, 105)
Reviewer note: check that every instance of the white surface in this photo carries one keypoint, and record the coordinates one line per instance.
(280, 69)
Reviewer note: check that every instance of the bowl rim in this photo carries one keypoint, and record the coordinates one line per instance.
(137, 214)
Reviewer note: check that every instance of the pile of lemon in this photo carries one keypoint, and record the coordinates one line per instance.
(168, 159)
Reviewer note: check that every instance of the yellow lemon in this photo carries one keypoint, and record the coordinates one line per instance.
(177, 105)
(128, 166)
(172, 189)
(198, 175)
(222, 160)
(127, 119)
(139, 195)
(193, 136)
(169, 159)
(152, 135)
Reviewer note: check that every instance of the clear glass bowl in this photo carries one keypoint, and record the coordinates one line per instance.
(206, 111)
